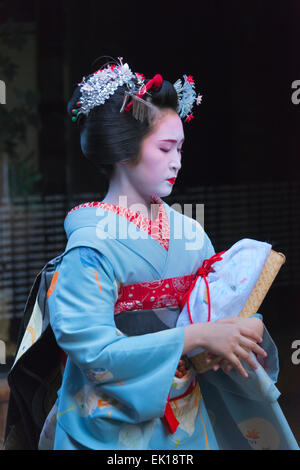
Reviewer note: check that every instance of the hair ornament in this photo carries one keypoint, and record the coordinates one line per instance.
(186, 97)
(155, 82)
(100, 85)
(141, 108)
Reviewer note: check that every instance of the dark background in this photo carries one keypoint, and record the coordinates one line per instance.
(244, 57)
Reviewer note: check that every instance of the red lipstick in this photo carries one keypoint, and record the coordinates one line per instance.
(172, 180)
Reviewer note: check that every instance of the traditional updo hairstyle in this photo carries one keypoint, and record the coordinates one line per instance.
(108, 136)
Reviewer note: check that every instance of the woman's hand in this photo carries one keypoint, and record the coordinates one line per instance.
(233, 339)
(254, 323)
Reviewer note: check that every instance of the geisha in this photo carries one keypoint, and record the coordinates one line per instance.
(114, 301)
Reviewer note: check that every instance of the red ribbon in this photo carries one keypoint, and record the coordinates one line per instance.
(155, 82)
(169, 418)
(203, 271)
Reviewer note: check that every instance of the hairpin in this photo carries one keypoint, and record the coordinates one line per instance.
(75, 111)
(186, 97)
(100, 85)
(141, 109)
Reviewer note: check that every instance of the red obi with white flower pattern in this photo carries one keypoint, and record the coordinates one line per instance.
(153, 294)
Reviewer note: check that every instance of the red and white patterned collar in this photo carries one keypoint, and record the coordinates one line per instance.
(158, 229)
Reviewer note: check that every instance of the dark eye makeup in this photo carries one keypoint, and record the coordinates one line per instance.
(168, 150)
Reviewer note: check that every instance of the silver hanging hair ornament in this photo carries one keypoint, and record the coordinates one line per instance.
(99, 86)
(186, 97)
(142, 110)
(102, 84)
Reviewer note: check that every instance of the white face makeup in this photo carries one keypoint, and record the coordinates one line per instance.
(160, 158)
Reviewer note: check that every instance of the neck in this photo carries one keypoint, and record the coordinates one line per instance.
(125, 195)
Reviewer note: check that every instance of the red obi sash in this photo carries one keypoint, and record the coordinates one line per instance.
(154, 294)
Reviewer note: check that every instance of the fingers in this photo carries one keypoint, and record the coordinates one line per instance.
(210, 356)
(226, 365)
(234, 360)
(230, 362)
(247, 332)
(222, 363)
(243, 354)
(252, 331)
(237, 364)
(239, 341)
(249, 345)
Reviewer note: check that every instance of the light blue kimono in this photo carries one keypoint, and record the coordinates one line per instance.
(115, 387)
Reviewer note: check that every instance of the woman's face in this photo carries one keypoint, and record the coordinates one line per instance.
(160, 157)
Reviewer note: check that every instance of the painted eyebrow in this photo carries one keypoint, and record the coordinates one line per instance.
(171, 140)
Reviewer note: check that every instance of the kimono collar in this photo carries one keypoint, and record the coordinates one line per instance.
(77, 218)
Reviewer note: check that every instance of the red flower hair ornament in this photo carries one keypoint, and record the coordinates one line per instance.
(100, 85)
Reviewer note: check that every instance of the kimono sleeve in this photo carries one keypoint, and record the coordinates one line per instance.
(271, 362)
(208, 247)
(207, 250)
(82, 318)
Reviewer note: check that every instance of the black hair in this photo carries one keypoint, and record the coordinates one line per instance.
(108, 136)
